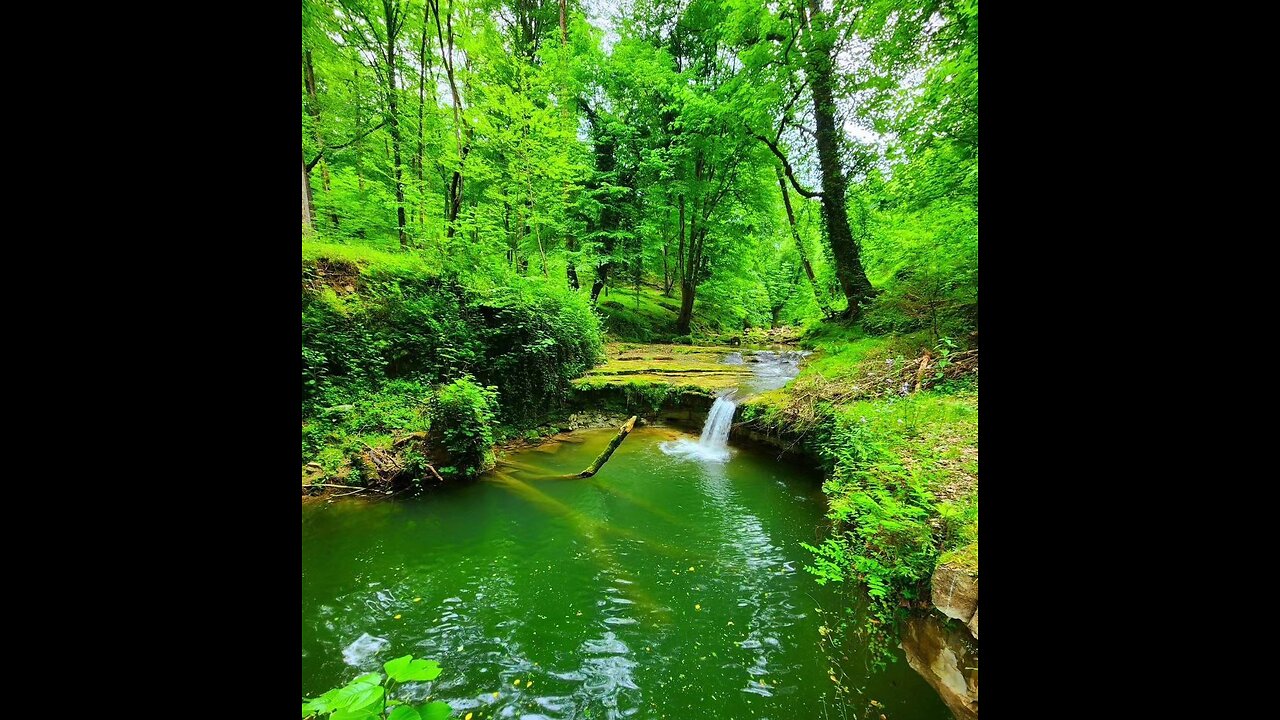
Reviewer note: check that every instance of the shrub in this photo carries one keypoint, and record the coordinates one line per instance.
(462, 415)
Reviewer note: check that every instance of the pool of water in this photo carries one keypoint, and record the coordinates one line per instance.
(662, 587)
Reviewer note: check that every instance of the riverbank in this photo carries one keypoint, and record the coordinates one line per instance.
(893, 421)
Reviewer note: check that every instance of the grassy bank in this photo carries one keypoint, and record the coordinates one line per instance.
(901, 462)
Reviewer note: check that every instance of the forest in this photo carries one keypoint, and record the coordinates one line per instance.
(525, 222)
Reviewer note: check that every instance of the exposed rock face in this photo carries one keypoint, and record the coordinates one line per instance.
(947, 659)
(955, 592)
(973, 624)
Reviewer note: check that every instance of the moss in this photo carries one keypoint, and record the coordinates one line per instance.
(965, 558)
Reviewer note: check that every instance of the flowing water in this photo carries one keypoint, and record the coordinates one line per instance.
(713, 444)
(662, 587)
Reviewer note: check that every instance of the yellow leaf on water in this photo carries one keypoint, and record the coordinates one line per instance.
(495, 696)
(468, 717)
(396, 617)
(528, 684)
(517, 683)
(417, 599)
(833, 679)
(690, 568)
(697, 607)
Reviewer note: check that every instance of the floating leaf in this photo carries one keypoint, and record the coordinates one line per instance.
(397, 617)
(697, 607)
(529, 684)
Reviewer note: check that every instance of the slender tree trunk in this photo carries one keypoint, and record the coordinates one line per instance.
(359, 155)
(795, 235)
(394, 23)
(667, 284)
(820, 71)
(456, 183)
(689, 282)
(423, 63)
(307, 216)
(680, 249)
(313, 108)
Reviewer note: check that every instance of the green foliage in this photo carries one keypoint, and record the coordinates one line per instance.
(464, 413)
(369, 696)
(380, 330)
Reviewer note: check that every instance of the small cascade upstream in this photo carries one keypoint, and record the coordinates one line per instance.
(713, 444)
(770, 370)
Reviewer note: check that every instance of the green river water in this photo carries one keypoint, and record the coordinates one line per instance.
(661, 588)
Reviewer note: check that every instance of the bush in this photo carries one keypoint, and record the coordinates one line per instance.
(682, 340)
(401, 323)
(462, 415)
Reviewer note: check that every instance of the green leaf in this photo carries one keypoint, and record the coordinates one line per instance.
(435, 711)
(326, 703)
(405, 669)
(404, 712)
(359, 695)
(372, 678)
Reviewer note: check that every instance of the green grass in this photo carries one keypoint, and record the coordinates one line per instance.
(367, 256)
(649, 316)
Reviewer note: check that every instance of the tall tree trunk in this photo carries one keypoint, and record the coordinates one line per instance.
(394, 22)
(307, 214)
(680, 249)
(795, 235)
(359, 155)
(820, 71)
(667, 283)
(313, 109)
(689, 279)
(423, 63)
(454, 196)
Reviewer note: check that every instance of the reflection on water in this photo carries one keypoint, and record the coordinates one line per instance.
(659, 588)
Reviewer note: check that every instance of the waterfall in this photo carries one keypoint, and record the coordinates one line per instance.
(715, 432)
(713, 444)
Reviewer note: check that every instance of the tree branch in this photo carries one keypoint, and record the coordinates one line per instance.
(786, 165)
(339, 146)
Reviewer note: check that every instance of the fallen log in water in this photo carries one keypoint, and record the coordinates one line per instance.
(613, 445)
